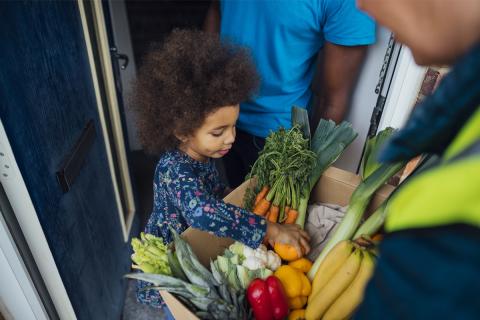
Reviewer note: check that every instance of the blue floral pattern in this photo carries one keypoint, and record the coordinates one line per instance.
(188, 193)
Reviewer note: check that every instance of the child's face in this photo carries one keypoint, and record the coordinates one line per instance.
(215, 137)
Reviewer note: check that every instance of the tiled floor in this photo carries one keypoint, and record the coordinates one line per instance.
(134, 310)
(142, 176)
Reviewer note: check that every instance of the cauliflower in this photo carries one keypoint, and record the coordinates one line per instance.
(273, 260)
(247, 252)
(254, 259)
(253, 263)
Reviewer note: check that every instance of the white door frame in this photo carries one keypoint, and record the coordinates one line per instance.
(22, 205)
(406, 83)
(19, 298)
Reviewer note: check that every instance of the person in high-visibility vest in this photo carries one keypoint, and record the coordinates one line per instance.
(429, 259)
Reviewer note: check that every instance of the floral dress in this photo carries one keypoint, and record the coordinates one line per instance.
(188, 193)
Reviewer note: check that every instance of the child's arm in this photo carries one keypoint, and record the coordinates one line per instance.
(206, 212)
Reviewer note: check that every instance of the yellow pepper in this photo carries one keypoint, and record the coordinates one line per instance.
(297, 302)
(286, 251)
(297, 315)
(302, 264)
(296, 285)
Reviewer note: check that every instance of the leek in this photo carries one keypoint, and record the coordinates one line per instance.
(373, 223)
(374, 176)
(368, 165)
(328, 143)
(369, 160)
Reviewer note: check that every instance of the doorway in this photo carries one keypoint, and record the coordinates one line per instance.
(133, 27)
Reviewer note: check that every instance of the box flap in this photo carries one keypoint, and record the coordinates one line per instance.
(178, 310)
(205, 245)
(336, 186)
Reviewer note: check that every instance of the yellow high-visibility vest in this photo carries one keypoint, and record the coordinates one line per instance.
(446, 194)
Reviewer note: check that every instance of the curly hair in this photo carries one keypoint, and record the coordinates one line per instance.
(179, 84)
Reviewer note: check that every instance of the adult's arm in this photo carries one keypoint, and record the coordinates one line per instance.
(212, 19)
(339, 69)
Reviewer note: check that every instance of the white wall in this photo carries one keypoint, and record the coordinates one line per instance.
(364, 100)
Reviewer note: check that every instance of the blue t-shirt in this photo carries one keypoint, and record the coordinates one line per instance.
(284, 37)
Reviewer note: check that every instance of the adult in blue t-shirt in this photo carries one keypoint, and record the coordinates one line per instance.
(285, 38)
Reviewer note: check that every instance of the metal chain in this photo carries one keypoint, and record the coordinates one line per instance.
(386, 61)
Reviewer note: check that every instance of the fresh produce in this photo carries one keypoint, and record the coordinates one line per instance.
(259, 299)
(286, 252)
(296, 285)
(150, 254)
(297, 302)
(282, 169)
(328, 143)
(345, 305)
(298, 314)
(267, 299)
(302, 264)
(334, 260)
(373, 223)
(334, 287)
(360, 198)
(288, 168)
(339, 284)
(207, 293)
(258, 258)
(241, 264)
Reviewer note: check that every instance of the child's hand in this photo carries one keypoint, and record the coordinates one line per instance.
(290, 234)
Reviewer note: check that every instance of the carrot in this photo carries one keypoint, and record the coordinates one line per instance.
(274, 210)
(261, 194)
(284, 216)
(267, 216)
(291, 216)
(262, 207)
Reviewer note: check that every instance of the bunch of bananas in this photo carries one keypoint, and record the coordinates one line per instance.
(150, 254)
(340, 281)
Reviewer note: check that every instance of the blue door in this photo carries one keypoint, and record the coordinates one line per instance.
(49, 111)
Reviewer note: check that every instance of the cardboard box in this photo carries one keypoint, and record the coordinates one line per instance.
(335, 186)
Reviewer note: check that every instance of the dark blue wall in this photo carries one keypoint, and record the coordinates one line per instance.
(47, 97)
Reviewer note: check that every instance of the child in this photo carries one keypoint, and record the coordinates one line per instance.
(187, 99)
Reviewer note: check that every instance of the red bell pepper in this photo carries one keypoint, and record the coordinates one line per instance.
(277, 297)
(267, 299)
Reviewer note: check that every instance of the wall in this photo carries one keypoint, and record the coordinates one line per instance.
(364, 100)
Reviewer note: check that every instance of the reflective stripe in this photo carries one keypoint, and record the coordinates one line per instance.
(448, 193)
(467, 136)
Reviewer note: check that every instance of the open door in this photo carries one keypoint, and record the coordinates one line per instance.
(66, 142)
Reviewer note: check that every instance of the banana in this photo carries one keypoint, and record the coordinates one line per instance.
(332, 262)
(349, 300)
(334, 287)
